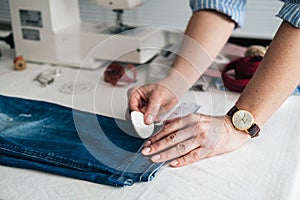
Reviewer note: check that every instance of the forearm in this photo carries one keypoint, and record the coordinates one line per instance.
(276, 77)
(206, 34)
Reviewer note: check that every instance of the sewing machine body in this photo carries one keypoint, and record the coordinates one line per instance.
(50, 31)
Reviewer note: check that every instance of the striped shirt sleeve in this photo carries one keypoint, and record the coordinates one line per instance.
(234, 9)
(290, 12)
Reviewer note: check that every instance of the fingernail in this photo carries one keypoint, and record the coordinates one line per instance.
(156, 157)
(146, 150)
(147, 143)
(149, 119)
(174, 163)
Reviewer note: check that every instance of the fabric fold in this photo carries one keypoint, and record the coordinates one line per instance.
(55, 139)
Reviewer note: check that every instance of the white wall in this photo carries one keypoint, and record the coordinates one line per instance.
(163, 13)
(260, 19)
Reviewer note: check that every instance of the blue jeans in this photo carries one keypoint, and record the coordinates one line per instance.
(56, 139)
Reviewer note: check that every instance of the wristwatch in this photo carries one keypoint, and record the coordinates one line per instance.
(243, 120)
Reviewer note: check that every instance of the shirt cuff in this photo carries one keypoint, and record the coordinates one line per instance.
(234, 9)
(290, 12)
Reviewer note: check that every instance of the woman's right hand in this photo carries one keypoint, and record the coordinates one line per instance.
(151, 99)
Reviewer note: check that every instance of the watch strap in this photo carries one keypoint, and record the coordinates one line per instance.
(233, 110)
(253, 130)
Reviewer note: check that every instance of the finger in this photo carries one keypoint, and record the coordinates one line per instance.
(178, 150)
(191, 157)
(136, 100)
(175, 125)
(167, 142)
(163, 132)
(152, 109)
(172, 120)
(209, 146)
(133, 103)
(197, 131)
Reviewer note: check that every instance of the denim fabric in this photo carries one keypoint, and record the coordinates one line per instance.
(55, 139)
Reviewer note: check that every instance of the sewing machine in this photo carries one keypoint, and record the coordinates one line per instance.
(50, 31)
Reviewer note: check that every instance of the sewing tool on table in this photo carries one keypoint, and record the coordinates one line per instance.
(47, 77)
(20, 63)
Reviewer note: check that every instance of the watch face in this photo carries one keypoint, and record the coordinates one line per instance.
(242, 120)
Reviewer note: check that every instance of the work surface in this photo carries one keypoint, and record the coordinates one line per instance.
(265, 168)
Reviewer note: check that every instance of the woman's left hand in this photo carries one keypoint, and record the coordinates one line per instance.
(193, 137)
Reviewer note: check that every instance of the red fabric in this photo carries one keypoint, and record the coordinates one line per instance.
(243, 69)
(115, 74)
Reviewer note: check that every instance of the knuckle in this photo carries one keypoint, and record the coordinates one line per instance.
(193, 117)
(204, 135)
(202, 117)
(195, 156)
(194, 141)
(201, 126)
(190, 117)
(157, 93)
(183, 160)
(167, 128)
(155, 147)
(181, 148)
(171, 138)
(199, 130)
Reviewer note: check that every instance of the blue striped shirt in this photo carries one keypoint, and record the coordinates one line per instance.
(235, 9)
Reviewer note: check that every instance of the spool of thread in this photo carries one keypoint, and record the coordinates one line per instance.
(20, 63)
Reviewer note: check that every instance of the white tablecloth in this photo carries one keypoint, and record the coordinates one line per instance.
(265, 168)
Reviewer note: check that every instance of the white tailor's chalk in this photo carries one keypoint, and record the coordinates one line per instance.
(142, 129)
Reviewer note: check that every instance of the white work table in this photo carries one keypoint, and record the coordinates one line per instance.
(267, 167)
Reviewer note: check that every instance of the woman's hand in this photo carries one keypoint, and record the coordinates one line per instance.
(193, 137)
(151, 99)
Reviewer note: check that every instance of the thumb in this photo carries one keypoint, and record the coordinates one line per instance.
(152, 110)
